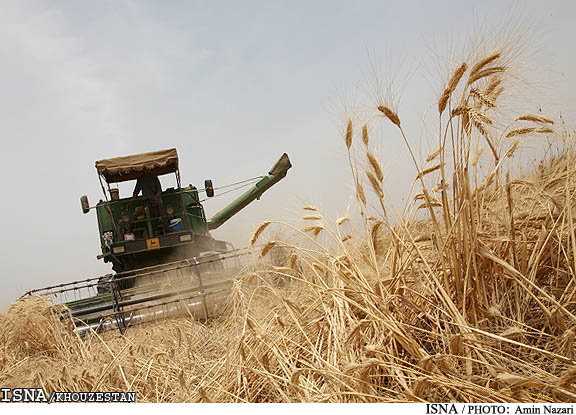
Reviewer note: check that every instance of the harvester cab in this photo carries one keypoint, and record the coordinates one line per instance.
(156, 227)
(166, 262)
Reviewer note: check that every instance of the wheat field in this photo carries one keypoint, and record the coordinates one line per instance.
(466, 294)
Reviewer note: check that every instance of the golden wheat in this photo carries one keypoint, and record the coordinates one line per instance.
(520, 131)
(481, 64)
(342, 220)
(473, 301)
(365, 135)
(312, 217)
(391, 115)
(267, 248)
(486, 73)
(375, 166)
(315, 229)
(258, 231)
(536, 118)
(375, 185)
(452, 84)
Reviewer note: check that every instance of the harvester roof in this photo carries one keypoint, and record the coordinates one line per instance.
(121, 169)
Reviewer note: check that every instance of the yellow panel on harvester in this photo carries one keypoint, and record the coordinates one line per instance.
(153, 243)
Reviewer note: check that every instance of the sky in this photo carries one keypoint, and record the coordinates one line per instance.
(232, 85)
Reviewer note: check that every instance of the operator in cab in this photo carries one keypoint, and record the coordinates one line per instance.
(150, 187)
(151, 191)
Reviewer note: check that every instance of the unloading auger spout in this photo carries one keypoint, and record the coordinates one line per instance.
(277, 173)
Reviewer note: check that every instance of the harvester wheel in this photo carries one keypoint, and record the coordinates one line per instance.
(209, 188)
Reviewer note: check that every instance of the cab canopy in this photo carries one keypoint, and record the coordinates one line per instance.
(155, 163)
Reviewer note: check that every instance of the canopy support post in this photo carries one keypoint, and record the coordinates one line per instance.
(108, 203)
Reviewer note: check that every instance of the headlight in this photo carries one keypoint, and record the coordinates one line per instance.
(185, 238)
(118, 249)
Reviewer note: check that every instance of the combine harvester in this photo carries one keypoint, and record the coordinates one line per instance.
(166, 262)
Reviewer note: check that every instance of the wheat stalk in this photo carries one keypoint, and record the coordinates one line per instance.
(482, 98)
(312, 217)
(391, 115)
(512, 148)
(360, 192)
(477, 156)
(479, 120)
(258, 231)
(483, 63)
(365, 135)
(452, 84)
(348, 137)
(430, 170)
(375, 185)
(536, 118)
(434, 154)
(460, 110)
(520, 131)
(493, 90)
(293, 261)
(375, 166)
(315, 229)
(486, 73)
(433, 203)
(267, 248)
(342, 220)
(374, 234)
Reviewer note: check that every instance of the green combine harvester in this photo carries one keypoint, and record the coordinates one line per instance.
(166, 262)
